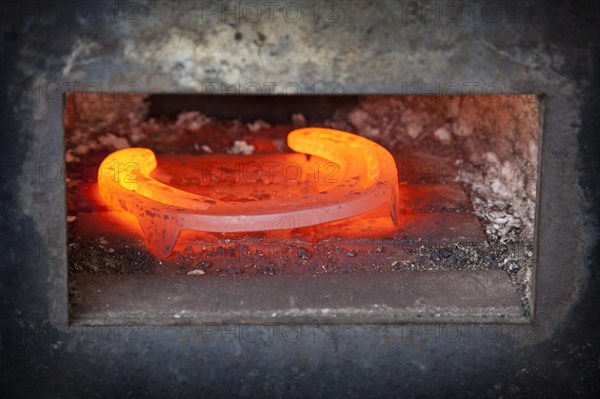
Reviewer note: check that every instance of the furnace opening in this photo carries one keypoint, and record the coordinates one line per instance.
(466, 167)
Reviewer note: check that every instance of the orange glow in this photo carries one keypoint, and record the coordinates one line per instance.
(356, 176)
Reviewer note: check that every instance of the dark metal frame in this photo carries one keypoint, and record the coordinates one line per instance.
(37, 346)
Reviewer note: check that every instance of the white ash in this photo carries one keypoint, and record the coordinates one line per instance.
(462, 128)
(241, 147)
(414, 130)
(279, 144)
(110, 140)
(196, 272)
(491, 157)
(488, 134)
(298, 121)
(258, 125)
(69, 157)
(192, 120)
(386, 118)
(443, 135)
(413, 123)
(108, 125)
(136, 134)
(339, 125)
(103, 124)
(82, 149)
(371, 132)
(498, 201)
(359, 118)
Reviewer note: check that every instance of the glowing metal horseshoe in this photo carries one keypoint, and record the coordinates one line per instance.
(368, 179)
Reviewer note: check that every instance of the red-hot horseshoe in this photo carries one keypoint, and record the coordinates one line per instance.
(368, 179)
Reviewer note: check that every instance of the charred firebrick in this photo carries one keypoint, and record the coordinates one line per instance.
(451, 234)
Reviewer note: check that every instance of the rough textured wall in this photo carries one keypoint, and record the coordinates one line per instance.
(374, 47)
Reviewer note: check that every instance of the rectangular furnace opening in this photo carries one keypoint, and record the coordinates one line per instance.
(467, 171)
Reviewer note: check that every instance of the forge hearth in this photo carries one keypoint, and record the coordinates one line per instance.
(466, 167)
(360, 176)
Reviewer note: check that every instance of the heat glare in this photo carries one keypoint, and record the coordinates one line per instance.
(362, 176)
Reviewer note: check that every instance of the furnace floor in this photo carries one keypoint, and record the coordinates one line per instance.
(438, 231)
